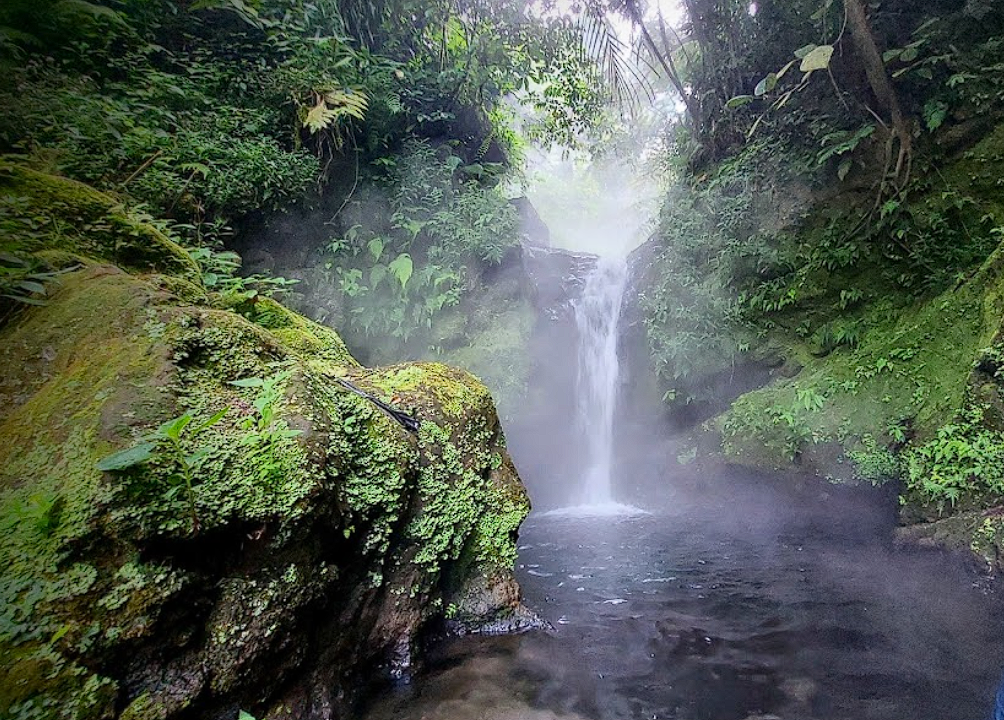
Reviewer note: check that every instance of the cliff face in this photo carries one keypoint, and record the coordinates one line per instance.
(197, 516)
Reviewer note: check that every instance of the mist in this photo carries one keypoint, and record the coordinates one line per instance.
(604, 206)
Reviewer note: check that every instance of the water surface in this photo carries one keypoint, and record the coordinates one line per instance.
(738, 606)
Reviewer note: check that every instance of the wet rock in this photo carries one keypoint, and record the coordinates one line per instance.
(533, 229)
(557, 278)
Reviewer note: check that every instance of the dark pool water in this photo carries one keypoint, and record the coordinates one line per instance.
(748, 605)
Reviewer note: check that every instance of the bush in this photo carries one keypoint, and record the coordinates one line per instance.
(965, 459)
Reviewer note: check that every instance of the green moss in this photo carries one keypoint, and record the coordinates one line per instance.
(987, 541)
(301, 335)
(43, 212)
(434, 388)
(910, 368)
(978, 171)
(110, 358)
(144, 708)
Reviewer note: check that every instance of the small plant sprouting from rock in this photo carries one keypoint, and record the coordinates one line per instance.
(167, 442)
(265, 433)
(220, 273)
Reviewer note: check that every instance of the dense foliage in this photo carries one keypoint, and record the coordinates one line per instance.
(217, 115)
(752, 243)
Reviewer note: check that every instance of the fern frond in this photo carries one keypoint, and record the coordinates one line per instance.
(352, 102)
(320, 117)
(335, 105)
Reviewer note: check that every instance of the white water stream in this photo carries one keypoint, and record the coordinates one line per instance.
(597, 313)
(596, 317)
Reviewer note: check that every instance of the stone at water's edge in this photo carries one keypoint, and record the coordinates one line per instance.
(329, 537)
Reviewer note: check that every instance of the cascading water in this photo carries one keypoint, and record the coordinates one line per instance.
(596, 316)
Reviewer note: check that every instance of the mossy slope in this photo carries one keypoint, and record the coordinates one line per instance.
(888, 386)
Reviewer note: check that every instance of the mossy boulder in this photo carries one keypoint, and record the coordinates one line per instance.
(66, 220)
(199, 517)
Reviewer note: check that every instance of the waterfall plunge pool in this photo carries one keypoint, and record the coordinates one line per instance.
(744, 604)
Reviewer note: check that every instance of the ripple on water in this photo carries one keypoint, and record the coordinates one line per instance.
(610, 509)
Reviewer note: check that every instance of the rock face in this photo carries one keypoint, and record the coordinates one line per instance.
(268, 541)
(548, 460)
(557, 277)
(531, 227)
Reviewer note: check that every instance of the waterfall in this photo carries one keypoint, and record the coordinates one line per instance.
(597, 314)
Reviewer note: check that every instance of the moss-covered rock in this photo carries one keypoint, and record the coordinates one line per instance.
(259, 535)
(42, 213)
(908, 375)
(975, 534)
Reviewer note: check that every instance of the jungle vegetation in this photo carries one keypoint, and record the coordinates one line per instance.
(828, 164)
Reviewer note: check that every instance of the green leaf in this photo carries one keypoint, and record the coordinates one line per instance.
(197, 456)
(844, 168)
(377, 275)
(935, 112)
(26, 300)
(781, 73)
(251, 382)
(817, 59)
(402, 269)
(130, 457)
(172, 429)
(31, 286)
(58, 635)
(11, 259)
(67, 8)
(212, 421)
(244, 715)
(738, 101)
(375, 246)
(766, 85)
(802, 52)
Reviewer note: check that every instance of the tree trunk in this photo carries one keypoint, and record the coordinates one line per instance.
(665, 59)
(880, 83)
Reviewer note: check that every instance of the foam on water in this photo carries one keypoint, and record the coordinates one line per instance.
(592, 510)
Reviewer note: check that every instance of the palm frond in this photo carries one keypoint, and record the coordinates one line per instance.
(601, 45)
